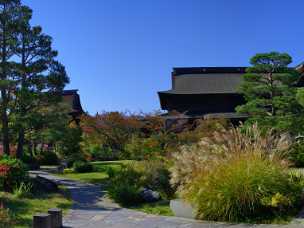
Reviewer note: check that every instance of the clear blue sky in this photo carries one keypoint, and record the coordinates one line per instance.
(119, 53)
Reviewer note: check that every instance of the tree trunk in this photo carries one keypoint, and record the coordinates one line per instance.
(4, 93)
(22, 111)
(4, 120)
(20, 143)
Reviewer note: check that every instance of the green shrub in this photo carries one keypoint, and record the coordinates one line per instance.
(30, 161)
(155, 175)
(48, 158)
(125, 187)
(297, 154)
(111, 172)
(12, 173)
(103, 153)
(82, 167)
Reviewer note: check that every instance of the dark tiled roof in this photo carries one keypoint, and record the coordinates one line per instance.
(72, 99)
(211, 80)
(205, 70)
(209, 83)
(206, 80)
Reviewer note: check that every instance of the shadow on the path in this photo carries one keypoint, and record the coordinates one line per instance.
(86, 197)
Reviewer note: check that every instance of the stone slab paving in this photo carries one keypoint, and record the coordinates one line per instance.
(92, 210)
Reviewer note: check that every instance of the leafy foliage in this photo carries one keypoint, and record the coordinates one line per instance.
(125, 187)
(12, 173)
(82, 167)
(48, 158)
(296, 155)
(155, 175)
(109, 132)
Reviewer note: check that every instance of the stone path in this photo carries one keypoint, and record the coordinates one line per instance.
(92, 210)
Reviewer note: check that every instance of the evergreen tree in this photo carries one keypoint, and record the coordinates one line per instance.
(10, 16)
(30, 77)
(40, 78)
(269, 91)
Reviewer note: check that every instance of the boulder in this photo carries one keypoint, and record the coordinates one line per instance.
(182, 209)
(149, 195)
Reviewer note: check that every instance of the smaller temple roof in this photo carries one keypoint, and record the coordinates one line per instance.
(72, 98)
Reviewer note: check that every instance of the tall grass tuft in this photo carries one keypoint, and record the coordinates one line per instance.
(237, 175)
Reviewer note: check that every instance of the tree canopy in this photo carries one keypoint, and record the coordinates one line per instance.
(270, 93)
(30, 77)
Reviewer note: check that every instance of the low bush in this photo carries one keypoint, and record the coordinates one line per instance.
(125, 187)
(297, 154)
(31, 161)
(238, 175)
(12, 173)
(111, 172)
(48, 158)
(155, 175)
(82, 167)
(127, 184)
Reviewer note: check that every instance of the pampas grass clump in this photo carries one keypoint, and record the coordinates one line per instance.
(237, 175)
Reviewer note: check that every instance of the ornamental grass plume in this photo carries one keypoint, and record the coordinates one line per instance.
(224, 143)
(238, 174)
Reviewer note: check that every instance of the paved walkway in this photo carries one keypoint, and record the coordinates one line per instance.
(92, 210)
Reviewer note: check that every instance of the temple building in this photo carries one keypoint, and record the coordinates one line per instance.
(72, 99)
(206, 92)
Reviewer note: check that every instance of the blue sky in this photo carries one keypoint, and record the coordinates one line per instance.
(119, 53)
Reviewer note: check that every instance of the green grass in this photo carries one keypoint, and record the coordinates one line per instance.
(23, 209)
(157, 208)
(99, 176)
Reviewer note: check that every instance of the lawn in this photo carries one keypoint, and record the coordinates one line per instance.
(99, 175)
(23, 209)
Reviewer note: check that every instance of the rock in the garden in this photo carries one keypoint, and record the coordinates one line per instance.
(149, 195)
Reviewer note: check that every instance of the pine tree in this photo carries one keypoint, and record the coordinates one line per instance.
(10, 13)
(269, 91)
(30, 77)
(40, 77)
